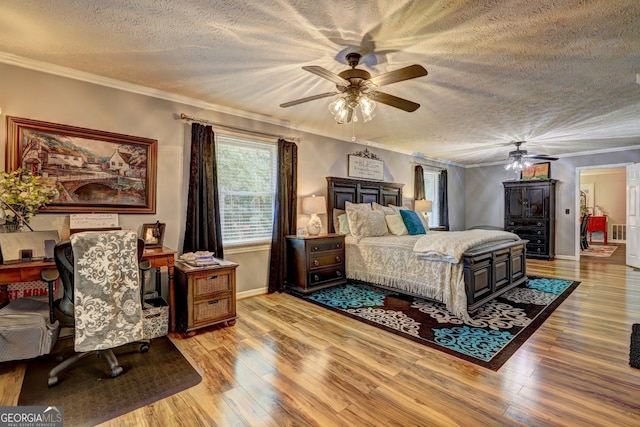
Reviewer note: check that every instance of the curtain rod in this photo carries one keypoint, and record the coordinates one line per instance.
(433, 168)
(183, 116)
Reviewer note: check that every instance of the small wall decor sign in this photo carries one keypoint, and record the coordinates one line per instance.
(363, 164)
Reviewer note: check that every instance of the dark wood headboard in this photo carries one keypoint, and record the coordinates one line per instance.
(340, 190)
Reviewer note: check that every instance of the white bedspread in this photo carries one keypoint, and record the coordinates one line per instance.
(391, 261)
(450, 246)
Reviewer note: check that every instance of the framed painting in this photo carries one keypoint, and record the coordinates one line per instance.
(87, 170)
(537, 171)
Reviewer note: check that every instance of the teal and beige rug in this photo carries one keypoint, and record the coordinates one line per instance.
(495, 332)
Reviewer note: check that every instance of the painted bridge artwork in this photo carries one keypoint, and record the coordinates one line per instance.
(80, 170)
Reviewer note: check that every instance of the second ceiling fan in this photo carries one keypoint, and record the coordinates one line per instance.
(359, 89)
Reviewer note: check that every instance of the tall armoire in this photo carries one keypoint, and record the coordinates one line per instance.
(529, 211)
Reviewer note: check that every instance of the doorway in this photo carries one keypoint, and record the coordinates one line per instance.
(601, 193)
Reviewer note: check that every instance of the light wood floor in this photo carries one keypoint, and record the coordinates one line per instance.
(288, 362)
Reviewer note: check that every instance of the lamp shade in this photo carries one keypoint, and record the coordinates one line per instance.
(423, 205)
(314, 205)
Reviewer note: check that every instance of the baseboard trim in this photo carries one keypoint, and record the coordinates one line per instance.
(251, 293)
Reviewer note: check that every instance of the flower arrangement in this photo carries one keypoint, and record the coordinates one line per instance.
(24, 193)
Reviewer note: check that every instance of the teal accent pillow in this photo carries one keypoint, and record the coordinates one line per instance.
(412, 222)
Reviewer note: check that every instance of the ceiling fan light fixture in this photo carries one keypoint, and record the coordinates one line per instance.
(339, 109)
(367, 106)
(518, 164)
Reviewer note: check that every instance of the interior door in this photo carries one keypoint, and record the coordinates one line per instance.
(633, 215)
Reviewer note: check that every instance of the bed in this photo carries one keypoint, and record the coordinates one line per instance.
(480, 273)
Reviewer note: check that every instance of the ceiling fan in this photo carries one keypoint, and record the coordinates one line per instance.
(519, 159)
(359, 89)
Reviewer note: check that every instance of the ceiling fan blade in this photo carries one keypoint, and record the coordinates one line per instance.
(326, 74)
(395, 101)
(308, 98)
(406, 73)
(539, 157)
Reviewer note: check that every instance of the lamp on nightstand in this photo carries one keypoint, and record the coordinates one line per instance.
(313, 206)
(423, 206)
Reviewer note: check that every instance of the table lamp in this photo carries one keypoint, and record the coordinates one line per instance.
(313, 206)
(423, 206)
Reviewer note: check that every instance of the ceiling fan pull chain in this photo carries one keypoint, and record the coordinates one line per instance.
(353, 126)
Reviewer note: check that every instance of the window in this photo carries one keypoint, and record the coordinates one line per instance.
(431, 185)
(246, 170)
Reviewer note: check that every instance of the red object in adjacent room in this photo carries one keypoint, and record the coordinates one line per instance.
(597, 223)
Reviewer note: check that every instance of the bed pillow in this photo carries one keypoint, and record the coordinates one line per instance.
(357, 206)
(412, 222)
(424, 220)
(343, 225)
(336, 215)
(397, 209)
(395, 224)
(388, 210)
(363, 223)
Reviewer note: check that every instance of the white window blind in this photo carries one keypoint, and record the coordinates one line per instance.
(246, 170)
(431, 185)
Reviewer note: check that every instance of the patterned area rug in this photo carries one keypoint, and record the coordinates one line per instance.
(496, 331)
(89, 396)
(600, 251)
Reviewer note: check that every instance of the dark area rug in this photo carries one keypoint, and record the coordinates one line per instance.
(495, 332)
(89, 396)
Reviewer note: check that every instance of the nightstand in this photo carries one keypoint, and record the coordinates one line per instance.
(315, 262)
(205, 296)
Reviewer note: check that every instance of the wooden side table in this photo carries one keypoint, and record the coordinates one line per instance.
(315, 262)
(205, 296)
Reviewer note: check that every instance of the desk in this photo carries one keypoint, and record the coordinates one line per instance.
(28, 271)
(597, 223)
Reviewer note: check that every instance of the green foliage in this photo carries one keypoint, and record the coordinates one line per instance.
(24, 193)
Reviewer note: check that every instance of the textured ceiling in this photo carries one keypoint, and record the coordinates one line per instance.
(559, 74)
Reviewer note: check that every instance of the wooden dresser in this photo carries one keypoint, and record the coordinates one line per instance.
(315, 262)
(529, 211)
(205, 296)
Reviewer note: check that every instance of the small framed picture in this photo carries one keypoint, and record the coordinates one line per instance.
(537, 171)
(153, 234)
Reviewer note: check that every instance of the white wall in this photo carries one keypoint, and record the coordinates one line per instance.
(40, 96)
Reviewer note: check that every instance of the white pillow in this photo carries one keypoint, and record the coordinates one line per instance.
(396, 224)
(363, 223)
(397, 209)
(386, 209)
(348, 206)
(424, 220)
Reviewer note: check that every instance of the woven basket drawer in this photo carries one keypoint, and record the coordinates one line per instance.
(205, 311)
(211, 283)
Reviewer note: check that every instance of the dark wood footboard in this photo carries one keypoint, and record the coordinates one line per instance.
(491, 271)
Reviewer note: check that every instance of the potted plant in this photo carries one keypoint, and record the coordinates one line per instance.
(22, 194)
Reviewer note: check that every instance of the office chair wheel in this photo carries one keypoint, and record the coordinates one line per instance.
(52, 381)
(116, 371)
(144, 347)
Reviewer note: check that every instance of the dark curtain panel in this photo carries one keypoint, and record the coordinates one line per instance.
(418, 183)
(444, 200)
(284, 215)
(202, 231)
